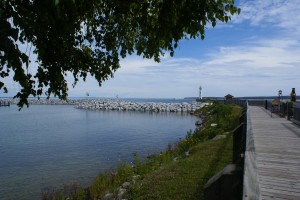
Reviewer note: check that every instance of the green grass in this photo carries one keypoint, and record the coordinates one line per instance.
(185, 178)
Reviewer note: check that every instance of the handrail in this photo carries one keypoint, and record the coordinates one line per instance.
(251, 189)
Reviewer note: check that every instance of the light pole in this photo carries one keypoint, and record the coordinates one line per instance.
(279, 97)
(280, 94)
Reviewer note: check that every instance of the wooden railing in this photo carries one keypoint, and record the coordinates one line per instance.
(251, 188)
(244, 154)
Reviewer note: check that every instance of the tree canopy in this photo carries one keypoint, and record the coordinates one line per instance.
(91, 36)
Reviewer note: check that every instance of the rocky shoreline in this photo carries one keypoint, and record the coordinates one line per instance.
(118, 105)
(139, 106)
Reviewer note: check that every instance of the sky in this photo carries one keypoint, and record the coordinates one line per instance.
(256, 54)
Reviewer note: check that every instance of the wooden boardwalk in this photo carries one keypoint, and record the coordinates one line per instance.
(277, 154)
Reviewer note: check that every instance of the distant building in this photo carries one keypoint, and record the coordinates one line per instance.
(228, 97)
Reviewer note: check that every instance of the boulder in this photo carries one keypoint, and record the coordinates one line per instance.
(108, 196)
(126, 185)
(199, 122)
(121, 193)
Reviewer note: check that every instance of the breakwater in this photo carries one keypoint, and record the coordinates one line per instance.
(44, 101)
(119, 105)
(95, 104)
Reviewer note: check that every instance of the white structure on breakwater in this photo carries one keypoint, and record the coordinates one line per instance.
(95, 104)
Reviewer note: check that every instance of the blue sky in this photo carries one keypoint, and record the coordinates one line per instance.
(255, 54)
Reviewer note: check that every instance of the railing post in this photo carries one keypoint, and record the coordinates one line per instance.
(238, 135)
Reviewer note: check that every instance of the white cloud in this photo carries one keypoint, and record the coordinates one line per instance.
(284, 14)
(253, 68)
(260, 54)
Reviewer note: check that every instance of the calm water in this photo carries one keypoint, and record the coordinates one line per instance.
(44, 147)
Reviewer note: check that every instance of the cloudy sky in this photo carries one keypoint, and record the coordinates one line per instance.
(256, 54)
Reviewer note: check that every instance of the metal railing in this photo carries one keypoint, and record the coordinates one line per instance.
(296, 117)
(285, 109)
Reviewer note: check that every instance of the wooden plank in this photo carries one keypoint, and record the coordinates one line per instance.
(274, 184)
(280, 190)
(267, 195)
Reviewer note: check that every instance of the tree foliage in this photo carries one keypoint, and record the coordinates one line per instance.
(90, 36)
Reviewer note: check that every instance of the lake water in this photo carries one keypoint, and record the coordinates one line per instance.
(45, 146)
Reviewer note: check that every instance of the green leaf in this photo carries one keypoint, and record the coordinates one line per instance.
(226, 18)
(14, 33)
(213, 23)
(238, 11)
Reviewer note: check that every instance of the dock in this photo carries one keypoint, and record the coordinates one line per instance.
(272, 157)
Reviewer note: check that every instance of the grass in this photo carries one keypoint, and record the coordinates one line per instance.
(171, 174)
(185, 178)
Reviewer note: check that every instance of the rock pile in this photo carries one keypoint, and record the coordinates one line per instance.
(121, 105)
(95, 104)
